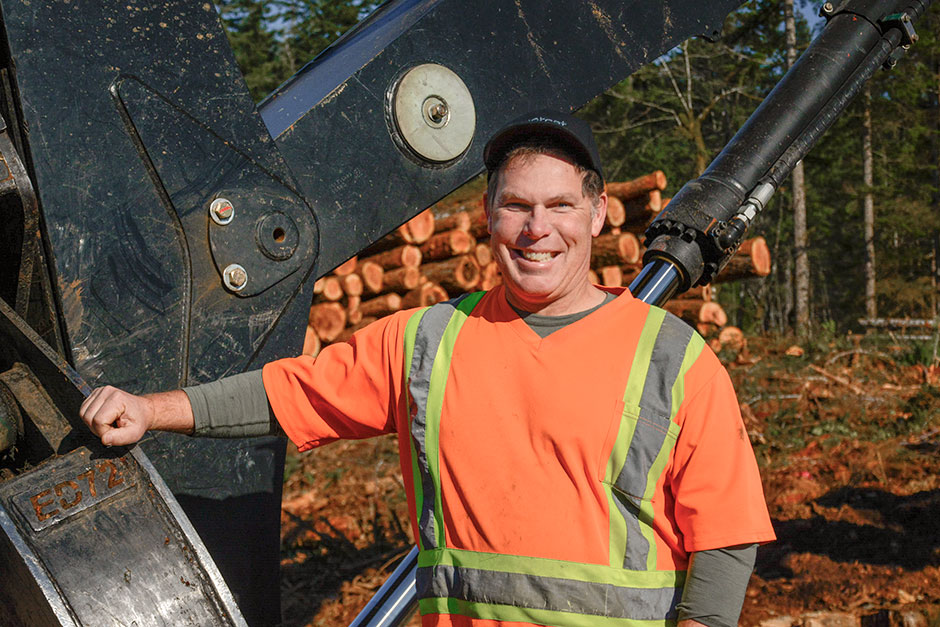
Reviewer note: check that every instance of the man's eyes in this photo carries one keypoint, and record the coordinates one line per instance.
(561, 205)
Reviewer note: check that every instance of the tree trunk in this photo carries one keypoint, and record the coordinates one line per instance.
(456, 275)
(483, 254)
(752, 260)
(428, 294)
(330, 289)
(371, 274)
(347, 267)
(614, 249)
(638, 186)
(352, 284)
(871, 302)
(616, 212)
(407, 255)
(328, 320)
(611, 276)
(490, 276)
(446, 244)
(800, 238)
(459, 220)
(381, 305)
(401, 279)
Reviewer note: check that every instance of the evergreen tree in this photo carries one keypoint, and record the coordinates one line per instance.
(273, 39)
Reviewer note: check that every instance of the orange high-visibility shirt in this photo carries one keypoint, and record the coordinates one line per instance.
(527, 428)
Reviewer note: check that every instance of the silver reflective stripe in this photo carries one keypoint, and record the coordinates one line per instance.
(649, 437)
(638, 546)
(427, 340)
(547, 593)
(655, 406)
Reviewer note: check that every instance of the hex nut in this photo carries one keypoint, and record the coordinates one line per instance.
(235, 277)
(221, 211)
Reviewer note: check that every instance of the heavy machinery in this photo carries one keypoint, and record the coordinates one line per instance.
(161, 231)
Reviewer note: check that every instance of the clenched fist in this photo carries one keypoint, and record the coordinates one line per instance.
(120, 418)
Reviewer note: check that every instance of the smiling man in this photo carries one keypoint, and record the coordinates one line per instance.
(572, 456)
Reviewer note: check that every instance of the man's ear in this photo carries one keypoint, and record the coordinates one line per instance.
(599, 214)
(486, 210)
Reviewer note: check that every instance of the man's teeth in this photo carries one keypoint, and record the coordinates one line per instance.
(534, 256)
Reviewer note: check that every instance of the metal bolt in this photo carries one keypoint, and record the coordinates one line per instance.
(828, 8)
(436, 112)
(222, 211)
(235, 277)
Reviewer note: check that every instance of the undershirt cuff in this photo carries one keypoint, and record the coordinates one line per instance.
(233, 407)
(715, 585)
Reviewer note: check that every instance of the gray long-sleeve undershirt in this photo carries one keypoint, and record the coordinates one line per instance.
(717, 579)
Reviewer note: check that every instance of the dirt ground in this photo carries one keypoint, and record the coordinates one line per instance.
(846, 432)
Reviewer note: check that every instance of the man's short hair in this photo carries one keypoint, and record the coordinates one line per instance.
(592, 185)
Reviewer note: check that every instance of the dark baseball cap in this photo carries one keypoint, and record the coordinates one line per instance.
(571, 133)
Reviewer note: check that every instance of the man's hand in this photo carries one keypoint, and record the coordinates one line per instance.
(120, 418)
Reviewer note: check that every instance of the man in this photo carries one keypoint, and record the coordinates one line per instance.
(572, 455)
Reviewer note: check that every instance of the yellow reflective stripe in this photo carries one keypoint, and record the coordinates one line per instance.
(646, 505)
(492, 611)
(411, 330)
(617, 528)
(439, 374)
(692, 353)
(540, 566)
(641, 359)
(426, 429)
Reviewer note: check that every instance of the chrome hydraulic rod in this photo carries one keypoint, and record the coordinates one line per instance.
(396, 600)
(657, 282)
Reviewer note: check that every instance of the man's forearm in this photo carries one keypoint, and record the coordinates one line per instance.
(171, 412)
(120, 418)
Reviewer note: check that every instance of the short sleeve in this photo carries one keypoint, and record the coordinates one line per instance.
(719, 500)
(351, 390)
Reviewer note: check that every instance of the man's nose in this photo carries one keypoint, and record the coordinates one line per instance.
(538, 224)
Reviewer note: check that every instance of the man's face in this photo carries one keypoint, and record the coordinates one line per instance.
(541, 225)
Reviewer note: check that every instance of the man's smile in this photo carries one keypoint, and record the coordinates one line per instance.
(533, 255)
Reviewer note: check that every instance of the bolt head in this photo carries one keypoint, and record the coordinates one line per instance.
(436, 112)
(235, 276)
(222, 211)
(828, 8)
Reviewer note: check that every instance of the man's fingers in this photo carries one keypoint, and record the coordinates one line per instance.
(122, 436)
(115, 416)
(86, 411)
(102, 409)
(91, 408)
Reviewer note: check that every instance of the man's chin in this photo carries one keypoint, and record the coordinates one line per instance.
(528, 295)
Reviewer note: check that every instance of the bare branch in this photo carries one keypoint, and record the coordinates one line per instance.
(714, 101)
(675, 86)
(628, 127)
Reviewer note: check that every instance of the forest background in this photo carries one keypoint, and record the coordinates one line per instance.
(677, 113)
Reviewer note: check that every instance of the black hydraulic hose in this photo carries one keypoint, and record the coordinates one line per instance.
(828, 115)
(785, 126)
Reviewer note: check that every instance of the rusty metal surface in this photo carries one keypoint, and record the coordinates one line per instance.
(11, 420)
(102, 532)
(90, 533)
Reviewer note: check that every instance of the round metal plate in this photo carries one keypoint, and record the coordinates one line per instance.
(433, 113)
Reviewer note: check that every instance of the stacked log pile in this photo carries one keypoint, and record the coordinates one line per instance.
(437, 255)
